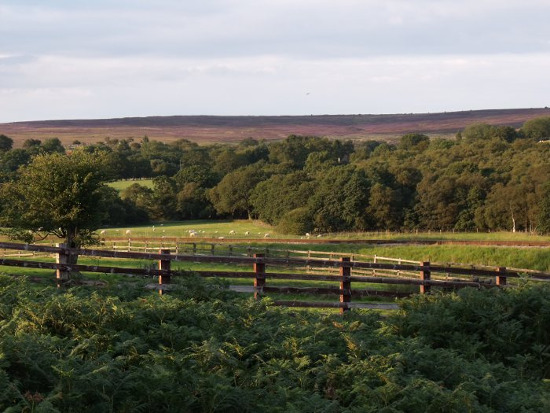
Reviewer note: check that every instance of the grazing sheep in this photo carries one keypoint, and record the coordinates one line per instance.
(266, 235)
(221, 237)
(128, 232)
(308, 234)
(102, 232)
(192, 234)
(247, 233)
(232, 232)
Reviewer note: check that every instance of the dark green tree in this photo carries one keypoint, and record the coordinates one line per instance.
(52, 145)
(291, 191)
(340, 201)
(417, 141)
(5, 143)
(232, 195)
(59, 195)
(544, 210)
(537, 129)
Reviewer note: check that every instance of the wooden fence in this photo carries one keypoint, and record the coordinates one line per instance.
(426, 275)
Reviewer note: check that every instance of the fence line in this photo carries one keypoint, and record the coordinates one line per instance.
(426, 275)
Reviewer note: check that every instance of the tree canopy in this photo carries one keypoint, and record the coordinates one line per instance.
(57, 194)
(489, 178)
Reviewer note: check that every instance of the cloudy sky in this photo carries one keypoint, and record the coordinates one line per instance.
(67, 59)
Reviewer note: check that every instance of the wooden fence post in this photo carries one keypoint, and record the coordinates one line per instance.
(425, 275)
(345, 283)
(164, 265)
(62, 258)
(259, 279)
(501, 279)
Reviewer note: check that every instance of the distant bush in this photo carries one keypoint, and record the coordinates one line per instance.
(298, 222)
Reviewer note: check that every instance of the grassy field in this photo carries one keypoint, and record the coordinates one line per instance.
(204, 229)
(125, 183)
(257, 229)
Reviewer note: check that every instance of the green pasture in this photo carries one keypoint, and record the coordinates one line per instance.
(203, 229)
(258, 229)
(125, 183)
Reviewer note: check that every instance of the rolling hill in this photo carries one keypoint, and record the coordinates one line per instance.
(210, 129)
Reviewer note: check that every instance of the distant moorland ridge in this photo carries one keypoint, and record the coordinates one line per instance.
(210, 129)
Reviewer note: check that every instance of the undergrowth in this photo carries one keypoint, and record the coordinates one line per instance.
(202, 348)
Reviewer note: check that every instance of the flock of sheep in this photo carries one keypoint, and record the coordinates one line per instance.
(194, 233)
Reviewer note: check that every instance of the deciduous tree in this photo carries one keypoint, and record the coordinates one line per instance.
(57, 194)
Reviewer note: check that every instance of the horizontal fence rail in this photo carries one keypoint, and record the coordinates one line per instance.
(423, 275)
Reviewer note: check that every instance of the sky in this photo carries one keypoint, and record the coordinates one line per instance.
(75, 59)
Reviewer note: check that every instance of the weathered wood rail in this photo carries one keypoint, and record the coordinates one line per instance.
(428, 275)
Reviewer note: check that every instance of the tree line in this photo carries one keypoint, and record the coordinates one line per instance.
(488, 178)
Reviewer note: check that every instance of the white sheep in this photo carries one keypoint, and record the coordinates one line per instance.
(102, 232)
(128, 232)
(247, 233)
(232, 232)
(266, 235)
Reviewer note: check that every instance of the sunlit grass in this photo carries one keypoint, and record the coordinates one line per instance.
(229, 229)
(125, 183)
(257, 229)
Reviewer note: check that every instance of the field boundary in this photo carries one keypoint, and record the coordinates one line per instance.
(422, 276)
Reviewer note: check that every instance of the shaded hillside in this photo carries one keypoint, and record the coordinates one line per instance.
(208, 129)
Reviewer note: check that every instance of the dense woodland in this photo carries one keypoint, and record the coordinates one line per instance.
(488, 178)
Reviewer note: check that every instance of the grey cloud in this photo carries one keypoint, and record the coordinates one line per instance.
(307, 29)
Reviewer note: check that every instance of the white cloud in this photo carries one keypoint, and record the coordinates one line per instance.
(67, 59)
(85, 88)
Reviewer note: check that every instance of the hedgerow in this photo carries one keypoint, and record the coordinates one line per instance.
(204, 349)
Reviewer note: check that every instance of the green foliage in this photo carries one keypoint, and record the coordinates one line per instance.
(491, 179)
(297, 221)
(291, 191)
(537, 129)
(232, 194)
(5, 143)
(340, 201)
(416, 141)
(203, 349)
(57, 194)
(544, 210)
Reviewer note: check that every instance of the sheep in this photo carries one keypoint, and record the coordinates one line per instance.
(308, 234)
(192, 234)
(102, 232)
(266, 235)
(128, 232)
(247, 233)
(232, 232)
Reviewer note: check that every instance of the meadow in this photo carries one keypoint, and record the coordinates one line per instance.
(122, 184)
(252, 233)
